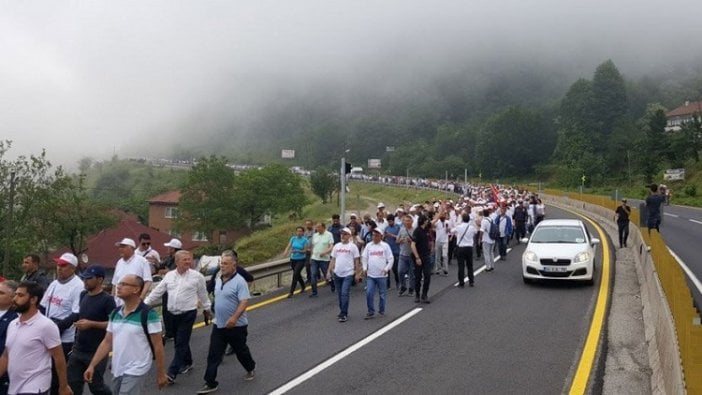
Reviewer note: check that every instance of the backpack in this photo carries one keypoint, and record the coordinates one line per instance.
(144, 323)
(494, 232)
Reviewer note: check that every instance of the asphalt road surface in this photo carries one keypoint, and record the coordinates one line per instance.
(501, 336)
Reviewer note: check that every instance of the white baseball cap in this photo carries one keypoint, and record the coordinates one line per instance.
(381, 205)
(126, 242)
(67, 259)
(174, 243)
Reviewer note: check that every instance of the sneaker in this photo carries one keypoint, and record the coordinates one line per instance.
(402, 291)
(185, 369)
(445, 273)
(206, 389)
(416, 299)
(343, 318)
(425, 300)
(250, 376)
(411, 292)
(171, 379)
(290, 296)
(471, 284)
(461, 285)
(313, 295)
(369, 316)
(382, 313)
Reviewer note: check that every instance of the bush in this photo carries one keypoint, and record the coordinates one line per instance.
(690, 190)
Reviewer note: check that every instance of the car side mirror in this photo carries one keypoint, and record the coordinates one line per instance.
(594, 241)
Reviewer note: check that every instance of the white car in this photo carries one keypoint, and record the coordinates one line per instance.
(560, 249)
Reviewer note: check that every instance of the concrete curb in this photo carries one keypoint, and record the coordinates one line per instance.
(642, 347)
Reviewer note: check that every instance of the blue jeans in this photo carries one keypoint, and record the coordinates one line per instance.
(315, 267)
(406, 267)
(371, 284)
(343, 288)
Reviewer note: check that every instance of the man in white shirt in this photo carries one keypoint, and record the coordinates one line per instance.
(442, 230)
(464, 233)
(130, 263)
(345, 261)
(61, 303)
(377, 260)
(186, 287)
(488, 242)
(144, 249)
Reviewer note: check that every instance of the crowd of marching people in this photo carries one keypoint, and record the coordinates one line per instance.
(409, 244)
(56, 336)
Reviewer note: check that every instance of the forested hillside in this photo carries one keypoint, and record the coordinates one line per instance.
(507, 123)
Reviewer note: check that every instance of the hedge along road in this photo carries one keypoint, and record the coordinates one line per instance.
(501, 336)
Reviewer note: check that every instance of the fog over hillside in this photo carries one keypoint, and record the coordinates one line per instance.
(145, 78)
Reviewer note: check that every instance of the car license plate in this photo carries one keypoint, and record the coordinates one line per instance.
(555, 269)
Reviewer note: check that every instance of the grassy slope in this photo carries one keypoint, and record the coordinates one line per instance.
(269, 244)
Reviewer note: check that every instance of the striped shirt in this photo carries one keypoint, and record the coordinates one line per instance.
(131, 353)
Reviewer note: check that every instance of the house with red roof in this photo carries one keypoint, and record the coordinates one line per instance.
(685, 113)
(101, 247)
(163, 210)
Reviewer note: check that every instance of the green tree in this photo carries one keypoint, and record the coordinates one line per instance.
(512, 142)
(652, 144)
(70, 214)
(270, 190)
(609, 101)
(323, 183)
(209, 202)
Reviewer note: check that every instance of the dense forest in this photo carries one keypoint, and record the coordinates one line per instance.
(511, 123)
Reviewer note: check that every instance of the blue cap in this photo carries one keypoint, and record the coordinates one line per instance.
(93, 271)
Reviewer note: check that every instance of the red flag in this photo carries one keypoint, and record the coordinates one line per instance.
(495, 194)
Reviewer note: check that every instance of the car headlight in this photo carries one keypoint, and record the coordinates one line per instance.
(582, 257)
(530, 256)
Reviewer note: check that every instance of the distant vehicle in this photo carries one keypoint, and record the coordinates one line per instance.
(560, 249)
(356, 171)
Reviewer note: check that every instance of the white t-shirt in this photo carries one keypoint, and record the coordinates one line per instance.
(377, 258)
(344, 255)
(136, 265)
(464, 232)
(442, 231)
(62, 300)
(485, 227)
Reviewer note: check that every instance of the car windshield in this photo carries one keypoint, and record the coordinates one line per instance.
(558, 234)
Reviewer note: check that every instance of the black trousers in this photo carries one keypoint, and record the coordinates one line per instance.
(519, 230)
(67, 347)
(423, 271)
(451, 248)
(623, 228)
(183, 328)
(235, 337)
(77, 363)
(477, 242)
(395, 263)
(464, 256)
(297, 266)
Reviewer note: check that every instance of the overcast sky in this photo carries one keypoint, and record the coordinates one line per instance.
(89, 78)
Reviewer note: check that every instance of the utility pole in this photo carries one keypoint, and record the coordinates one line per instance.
(8, 234)
(342, 191)
(465, 176)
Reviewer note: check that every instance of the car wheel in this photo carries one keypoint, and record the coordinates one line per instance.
(527, 280)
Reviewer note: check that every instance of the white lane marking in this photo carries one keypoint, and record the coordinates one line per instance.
(696, 221)
(687, 270)
(672, 215)
(480, 269)
(343, 354)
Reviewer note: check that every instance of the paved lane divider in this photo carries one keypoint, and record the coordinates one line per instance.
(345, 353)
(587, 358)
